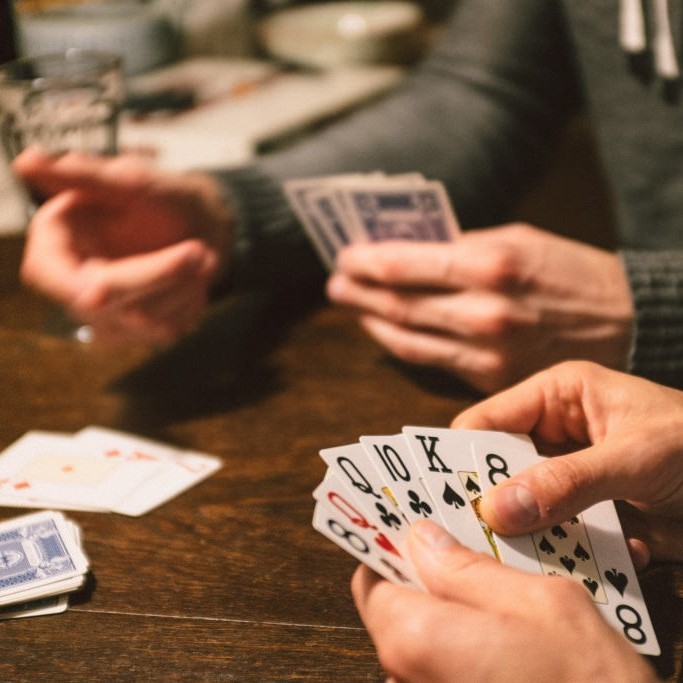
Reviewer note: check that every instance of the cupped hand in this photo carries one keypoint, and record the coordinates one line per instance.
(482, 621)
(492, 307)
(129, 249)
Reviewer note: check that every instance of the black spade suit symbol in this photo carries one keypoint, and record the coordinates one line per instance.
(618, 579)
(546, 546)
(591, 584)
(558, 532)
(451, 497)
(568, 563)
(472, 485)
(580, 553)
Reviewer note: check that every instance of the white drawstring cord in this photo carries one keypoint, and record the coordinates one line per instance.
(666, 63)
(632, 26)
(633, 35)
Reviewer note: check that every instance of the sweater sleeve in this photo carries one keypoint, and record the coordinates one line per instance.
(477, 113)
(656, 280)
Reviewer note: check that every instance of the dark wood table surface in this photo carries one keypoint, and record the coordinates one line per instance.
(228, 581)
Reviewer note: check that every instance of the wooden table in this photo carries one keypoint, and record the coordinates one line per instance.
(228, 581)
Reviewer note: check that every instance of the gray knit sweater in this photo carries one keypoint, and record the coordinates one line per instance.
(479, 113)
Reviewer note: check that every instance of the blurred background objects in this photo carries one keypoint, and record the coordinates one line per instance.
(211, 83)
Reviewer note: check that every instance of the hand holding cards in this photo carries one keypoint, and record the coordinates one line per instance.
(374, 489)
(338, 210)
(97, 470)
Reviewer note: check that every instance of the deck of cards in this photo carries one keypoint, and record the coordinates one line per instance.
(97, 470)
(375, 488)
(338, 210)
(41, 562)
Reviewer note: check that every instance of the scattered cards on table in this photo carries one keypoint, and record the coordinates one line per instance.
(375, 488)
(338, 210)
(41, 562)
(97, 470)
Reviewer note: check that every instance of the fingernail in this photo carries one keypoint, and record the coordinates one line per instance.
(432, 535)
(515, 506)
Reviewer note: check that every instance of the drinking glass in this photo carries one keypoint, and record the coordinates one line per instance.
(61, 102)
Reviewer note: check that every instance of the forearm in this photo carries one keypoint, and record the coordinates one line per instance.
(477, 113)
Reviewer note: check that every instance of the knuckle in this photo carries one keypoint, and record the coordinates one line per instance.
(93, 298)
(397, 310)
(28, 273)
(560, 594)
(499, 267)
(388, 269)
(562, 479)
(499, 318)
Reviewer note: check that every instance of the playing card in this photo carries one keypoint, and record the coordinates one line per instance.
(443, 458)
(54, 604)
(589, 549)
(352, 477)
(178, 470)
(341, 518)
(177, 475)
(38, 554)
(299, 194)
(405, 213)
(338, 210)
(39, 467)
(400, 478)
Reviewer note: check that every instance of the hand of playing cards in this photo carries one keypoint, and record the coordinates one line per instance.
(97, 470)
(374, 489)
(339, 210)
(41, 562)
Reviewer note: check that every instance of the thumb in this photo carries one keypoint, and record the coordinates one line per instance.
(552, 491)
(448, 569)
(120, 281)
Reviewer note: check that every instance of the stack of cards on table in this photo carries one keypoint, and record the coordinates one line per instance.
(339, 210)
(41, 561)
(374, 489)
(97, 470)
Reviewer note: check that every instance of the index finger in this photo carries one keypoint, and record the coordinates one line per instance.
(549, 405)
(48, 175)
(401, 263)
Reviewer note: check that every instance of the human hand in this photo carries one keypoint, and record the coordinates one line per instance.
(492, 307)
(126, 248)
(621, 436)
(482, 621)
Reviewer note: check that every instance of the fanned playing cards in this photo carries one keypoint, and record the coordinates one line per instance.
(97, 470)
(338, 210)
(375, 488)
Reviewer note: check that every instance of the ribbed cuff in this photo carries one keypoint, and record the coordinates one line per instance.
(269, 245)
(656, 280)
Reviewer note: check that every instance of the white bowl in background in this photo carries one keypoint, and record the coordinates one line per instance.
(344, 33)
(142, 35)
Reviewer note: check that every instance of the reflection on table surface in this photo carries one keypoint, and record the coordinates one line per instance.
(228, 581)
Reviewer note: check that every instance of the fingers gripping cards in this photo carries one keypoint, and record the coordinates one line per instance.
(376, 488)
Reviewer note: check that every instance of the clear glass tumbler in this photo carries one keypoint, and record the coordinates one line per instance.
(61, 102)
